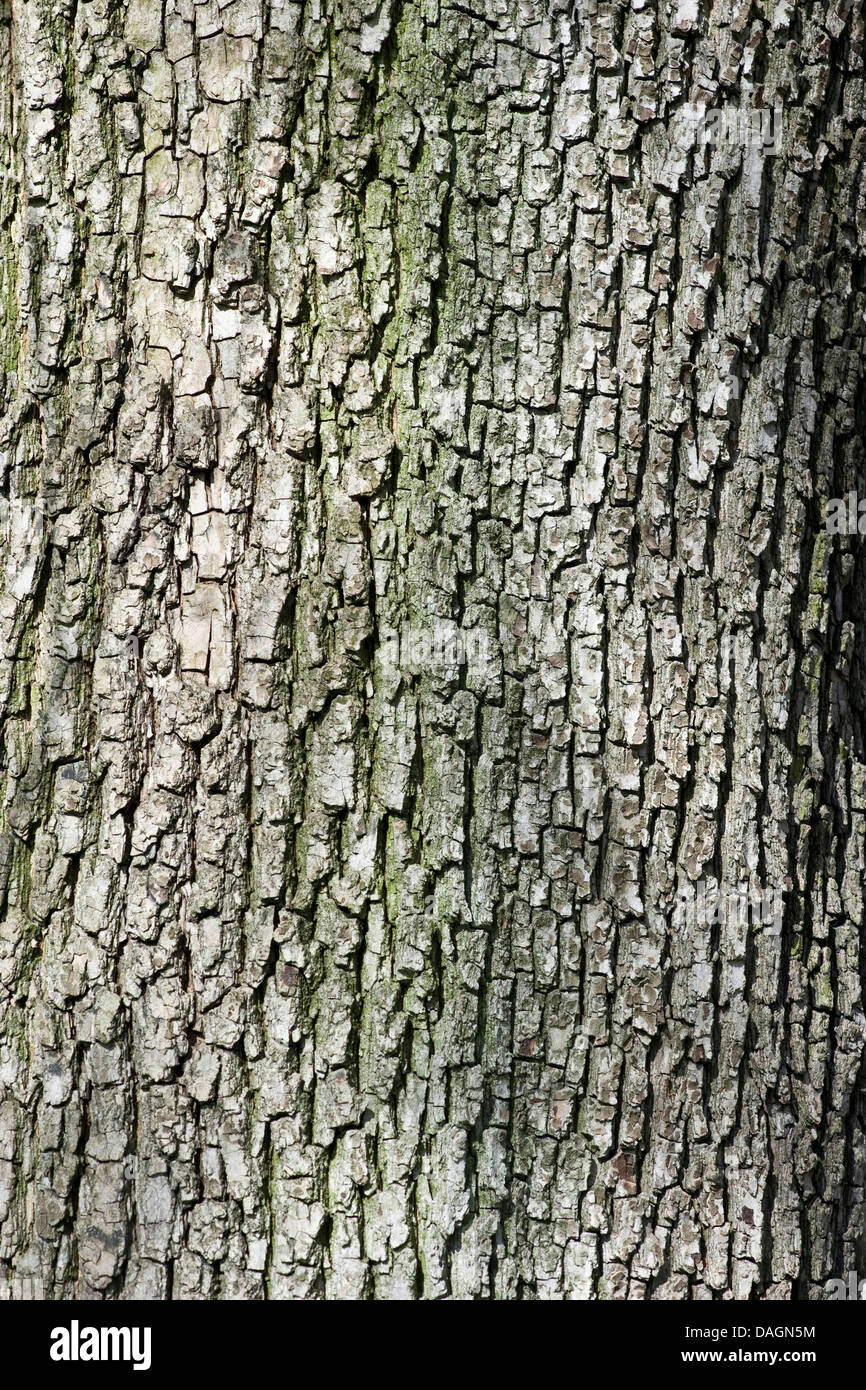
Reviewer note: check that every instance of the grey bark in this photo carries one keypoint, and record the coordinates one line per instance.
(414, 577)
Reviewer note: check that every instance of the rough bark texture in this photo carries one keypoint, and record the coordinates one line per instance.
(339, 959)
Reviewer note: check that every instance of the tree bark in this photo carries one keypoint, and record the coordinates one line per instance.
(418, 617)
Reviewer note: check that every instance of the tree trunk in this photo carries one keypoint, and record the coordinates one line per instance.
(434, 782)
